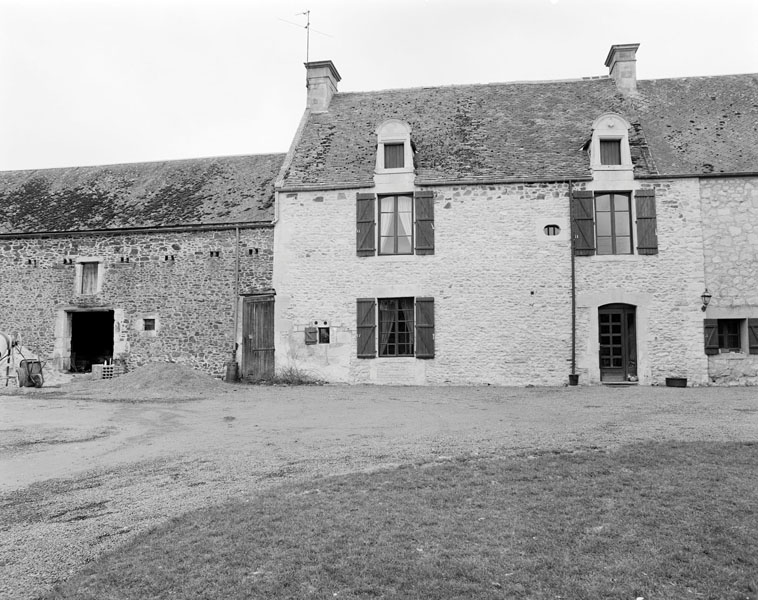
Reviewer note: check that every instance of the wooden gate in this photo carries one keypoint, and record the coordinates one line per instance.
(258, 337)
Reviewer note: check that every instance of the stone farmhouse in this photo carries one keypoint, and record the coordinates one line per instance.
(520, 233)
(595, 230)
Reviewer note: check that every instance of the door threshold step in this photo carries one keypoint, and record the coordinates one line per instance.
(621, 383)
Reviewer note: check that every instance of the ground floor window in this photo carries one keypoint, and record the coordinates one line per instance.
(729, 335)
(395, 327)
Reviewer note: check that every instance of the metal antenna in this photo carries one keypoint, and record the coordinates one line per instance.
(307, 28)
(307, 14)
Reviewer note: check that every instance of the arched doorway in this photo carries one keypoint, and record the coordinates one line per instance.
(617, 328)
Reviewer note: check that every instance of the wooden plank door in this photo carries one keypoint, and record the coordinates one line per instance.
(258, 337)
(618, 343)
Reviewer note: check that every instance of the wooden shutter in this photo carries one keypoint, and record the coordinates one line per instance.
(752, 336)
(311, 334)
(366, 321)
(583, 225)
(711, 336)
(647, 238)
(365, 211)
(424, 327)
(424, 222)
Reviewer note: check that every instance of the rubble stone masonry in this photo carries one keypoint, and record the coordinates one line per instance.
(171, 277)
(730, 242)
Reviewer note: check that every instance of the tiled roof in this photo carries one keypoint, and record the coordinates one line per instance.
(160, 194)
(534, 130)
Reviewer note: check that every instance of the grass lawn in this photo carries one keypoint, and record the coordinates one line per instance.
(669, 521)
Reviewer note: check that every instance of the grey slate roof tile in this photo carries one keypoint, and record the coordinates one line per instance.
(160, 194)
(534, 130)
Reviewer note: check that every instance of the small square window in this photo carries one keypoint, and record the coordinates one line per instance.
(610, 152)
(149, 324)
(323, 335)
(394, 156)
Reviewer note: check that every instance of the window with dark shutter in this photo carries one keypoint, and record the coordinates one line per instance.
(752, 336)
(424, 222)
(710, 329)
(424, 327)
(366, 327)
(647, 236)
(365, 211)
(583, 223)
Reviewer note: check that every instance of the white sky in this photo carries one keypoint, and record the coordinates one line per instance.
(86, 82)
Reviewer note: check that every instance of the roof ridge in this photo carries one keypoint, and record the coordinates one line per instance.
(146, 162)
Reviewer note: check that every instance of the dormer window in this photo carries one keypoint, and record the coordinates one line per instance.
(394, 156)
(609, 147)
(610, 152)
(394, 148)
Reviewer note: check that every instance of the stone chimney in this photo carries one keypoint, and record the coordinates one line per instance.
(321, 81)
(622, 66)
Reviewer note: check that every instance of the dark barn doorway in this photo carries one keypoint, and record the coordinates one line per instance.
(91, 339)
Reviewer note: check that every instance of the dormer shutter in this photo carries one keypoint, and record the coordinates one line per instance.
(583, 223)
(424, 222)
(647, 237)
(710, 331)
(365, 211)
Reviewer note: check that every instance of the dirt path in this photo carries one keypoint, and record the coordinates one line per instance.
(79, 476)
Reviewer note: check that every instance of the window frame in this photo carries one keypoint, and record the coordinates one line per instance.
(728, 331)
(402, 316)
(82, 265)
(388, 153)
(616, 141)
(613, 235)
(395, 217)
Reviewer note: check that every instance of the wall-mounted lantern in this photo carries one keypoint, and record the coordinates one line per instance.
(706, 298)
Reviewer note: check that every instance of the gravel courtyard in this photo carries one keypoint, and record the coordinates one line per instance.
(89, 465)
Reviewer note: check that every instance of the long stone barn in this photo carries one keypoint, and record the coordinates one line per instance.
(139, 262)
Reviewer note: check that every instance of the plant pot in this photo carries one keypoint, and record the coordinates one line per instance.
(676, 382)
(574, 379)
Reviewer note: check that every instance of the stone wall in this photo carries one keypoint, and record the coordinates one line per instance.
(730, 242)
(501, 287)
(665, 288)
(168, 276)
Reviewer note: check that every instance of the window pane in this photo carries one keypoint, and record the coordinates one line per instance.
(604, 245)
(620, 202)
(603, 223)
(394, 155)
(621, 221)
(89, 278)
(603, 203)
(610, 152)
(404, 245)
(387, 245)
(623, 245)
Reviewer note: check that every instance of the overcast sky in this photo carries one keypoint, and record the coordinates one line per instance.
(86, 82)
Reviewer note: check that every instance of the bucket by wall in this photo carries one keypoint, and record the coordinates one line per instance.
(574, 379)
(231, 372)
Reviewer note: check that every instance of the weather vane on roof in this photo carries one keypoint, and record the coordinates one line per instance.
(307, 28)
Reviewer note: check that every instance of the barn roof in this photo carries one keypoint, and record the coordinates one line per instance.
(536, 130)
(206, 191)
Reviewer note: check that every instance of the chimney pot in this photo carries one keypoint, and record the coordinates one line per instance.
(622, 65)
(321, 80)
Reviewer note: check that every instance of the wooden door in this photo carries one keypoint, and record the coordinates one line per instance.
(618, 343)
(258, 337)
